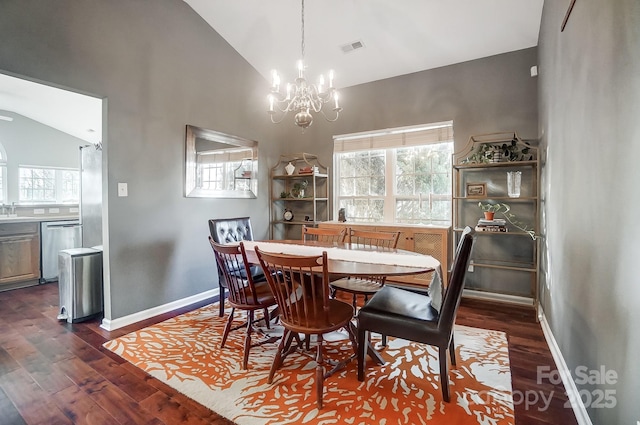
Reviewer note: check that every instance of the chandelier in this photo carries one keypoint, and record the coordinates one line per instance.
(302, 97)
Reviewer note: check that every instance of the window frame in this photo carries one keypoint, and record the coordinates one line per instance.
(58, 186)
(391, 197)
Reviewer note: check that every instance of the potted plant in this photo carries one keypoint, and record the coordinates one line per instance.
(490, 209)
(298, 188)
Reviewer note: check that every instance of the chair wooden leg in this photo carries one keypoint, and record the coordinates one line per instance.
(227, 328)
(267, 318)
(362, 343)
(278, 359)
(319, 371)
(352, 336)
(221, 300)
(384, 340)
(444, 373)
(247, 340)
(452, 350)
(354, 302)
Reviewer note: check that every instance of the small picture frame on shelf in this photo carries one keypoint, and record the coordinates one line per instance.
(476, 190)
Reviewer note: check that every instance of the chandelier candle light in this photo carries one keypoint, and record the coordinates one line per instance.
(302, 96)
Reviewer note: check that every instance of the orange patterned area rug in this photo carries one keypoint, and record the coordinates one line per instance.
(184, 352)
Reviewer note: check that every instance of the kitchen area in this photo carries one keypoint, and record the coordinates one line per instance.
(51, 194)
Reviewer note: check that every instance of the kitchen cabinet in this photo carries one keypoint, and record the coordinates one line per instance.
(428, 240)
(19, 255)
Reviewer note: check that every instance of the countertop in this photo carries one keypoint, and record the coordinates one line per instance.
(31, 219)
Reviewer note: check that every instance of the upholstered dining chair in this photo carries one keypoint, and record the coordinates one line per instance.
(411, 315)
(323, 234)
(369, 285)
(230, 230)
(244, 293)
(302, 294)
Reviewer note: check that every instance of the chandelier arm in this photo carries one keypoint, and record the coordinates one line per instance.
(280, 120)
(336, 110)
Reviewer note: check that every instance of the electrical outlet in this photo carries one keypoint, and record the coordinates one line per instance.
(38, 211)
(74, 210)
(54, 210)
(470, 270)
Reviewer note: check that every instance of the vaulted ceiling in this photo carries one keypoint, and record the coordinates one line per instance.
(398, 37)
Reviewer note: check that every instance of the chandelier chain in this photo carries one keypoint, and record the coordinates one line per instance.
(302, 43)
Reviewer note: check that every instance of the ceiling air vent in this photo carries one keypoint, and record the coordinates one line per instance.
(352, 46)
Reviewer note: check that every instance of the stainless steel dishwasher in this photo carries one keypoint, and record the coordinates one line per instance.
(56, 236)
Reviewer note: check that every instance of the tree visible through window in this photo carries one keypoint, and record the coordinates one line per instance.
(406, 180)
(48, 185)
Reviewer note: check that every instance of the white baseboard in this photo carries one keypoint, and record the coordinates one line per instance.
(493, 296)
(120, 322)
(569, 385)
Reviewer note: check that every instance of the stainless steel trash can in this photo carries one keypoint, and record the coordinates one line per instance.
(79, 283)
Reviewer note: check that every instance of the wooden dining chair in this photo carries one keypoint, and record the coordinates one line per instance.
(233, 230)
(323, 234)
(367, 285)
(411, 315)
(301, 288)
(244, 293)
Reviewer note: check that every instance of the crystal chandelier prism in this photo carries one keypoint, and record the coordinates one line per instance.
(302, 97)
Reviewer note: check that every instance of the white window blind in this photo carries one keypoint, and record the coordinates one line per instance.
(394, 138)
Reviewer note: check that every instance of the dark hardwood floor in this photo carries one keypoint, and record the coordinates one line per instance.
(52, 372)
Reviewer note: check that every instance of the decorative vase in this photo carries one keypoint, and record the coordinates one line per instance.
(290, 168)
(488, 215)
(513, 183)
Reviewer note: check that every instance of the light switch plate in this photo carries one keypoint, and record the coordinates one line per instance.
(122, 189)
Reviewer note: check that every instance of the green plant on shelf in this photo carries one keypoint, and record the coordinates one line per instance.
(504, 209)
(500, 152)
(299, 188)
(494, 208)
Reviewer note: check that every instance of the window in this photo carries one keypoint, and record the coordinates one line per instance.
(397, 176)
(48, 185)
(3, 175)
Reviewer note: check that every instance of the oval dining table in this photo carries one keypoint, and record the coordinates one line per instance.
(344, 267)
(338, 266)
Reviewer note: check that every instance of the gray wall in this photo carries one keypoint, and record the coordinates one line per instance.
(589, 126)
(482, 96)
(160, 67)
(29, 142)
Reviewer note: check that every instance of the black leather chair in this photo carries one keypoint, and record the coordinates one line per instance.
(229, 230)
(409, 315)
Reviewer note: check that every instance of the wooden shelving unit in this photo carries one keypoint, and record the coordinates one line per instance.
(504, 266)
(308, 209)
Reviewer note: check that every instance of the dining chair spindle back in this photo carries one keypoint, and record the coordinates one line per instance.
(244, 293)
(301, 289)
